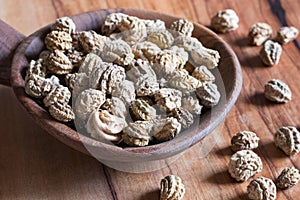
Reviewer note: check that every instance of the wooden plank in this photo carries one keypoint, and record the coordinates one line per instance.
(33, 165)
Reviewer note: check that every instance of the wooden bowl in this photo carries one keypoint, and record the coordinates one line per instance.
(135, 159)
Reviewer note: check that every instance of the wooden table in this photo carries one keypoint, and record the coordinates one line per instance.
(33, 165)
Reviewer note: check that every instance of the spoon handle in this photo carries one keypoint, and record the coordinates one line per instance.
(9, 40)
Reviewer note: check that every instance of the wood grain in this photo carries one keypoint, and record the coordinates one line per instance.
(9, 41)
(33, 165)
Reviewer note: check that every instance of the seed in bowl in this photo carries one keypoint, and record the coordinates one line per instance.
(182, 26)
(162, 38)
(128, 85)
(192, 104)
(105, 126)
(90, 41)
(62, 113)
(37, 86)
(203, 74)
(59, 63)
(166, 128)
(88, 101)
(138, 133)
(115, 106)
(208, 94)
(126, 92)
(140, 110)
(64, 24)
(58, 40)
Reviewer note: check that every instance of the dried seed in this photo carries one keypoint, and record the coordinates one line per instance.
(90, 62)
(140, 68)
(270, 53)
(133, 29)
(59, 63)
(182, 26)
(63, 113)
(167, 61)
(288, 178)
(166, 128)
(183, 55)
(162, 38)
(168, 98)
(37, 67)
(204, 56)
(287, 138)
(107, 77)
(203, 74)
(145, 50)
(88, 101)
(115, 106)
(208, 94)
(187, 43)
(277, 91)
(77, 83)
(38, 87)
(58, 40)
(104, 126)
(184, 117)
(287, 34)
(59, 95)
(192, 104)
(138, 133)
(125, 91)
(171, 188)
(65, 24)
(141, 110)
(154, 25)
(76, 57)
(90, 41)
(118, 52)
(259, 33)
(112, 22)
(244, 140)
(225, 21)
(244, 164)
(182, 81)
(261, 188)
(146, 86)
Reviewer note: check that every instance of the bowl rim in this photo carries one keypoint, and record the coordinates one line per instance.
(83, 143)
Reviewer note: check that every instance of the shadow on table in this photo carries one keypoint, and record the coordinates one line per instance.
(273, 151)
(152, 195)
(259, 99)
(242, 42)
(240, 197)
(226, 151)
(221, 177)
(251, 61)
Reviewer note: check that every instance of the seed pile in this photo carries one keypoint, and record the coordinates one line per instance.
(137, 82)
